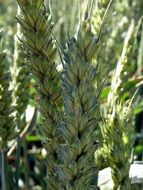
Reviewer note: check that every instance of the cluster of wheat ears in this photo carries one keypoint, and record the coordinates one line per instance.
(81, 131)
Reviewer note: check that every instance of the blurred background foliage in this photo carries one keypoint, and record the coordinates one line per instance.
(66, 15)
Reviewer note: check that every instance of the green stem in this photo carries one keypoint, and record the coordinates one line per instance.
(126, 185)
(27, 186)
(4, 175)
(17, 173)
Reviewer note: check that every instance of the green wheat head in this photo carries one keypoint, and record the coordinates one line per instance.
(116, 125)
(115, 16)
(77, 169)
(21, 80)
(7, 127)
(37, 26)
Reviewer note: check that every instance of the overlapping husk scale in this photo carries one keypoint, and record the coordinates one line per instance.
(37, 25)
(78, 129)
